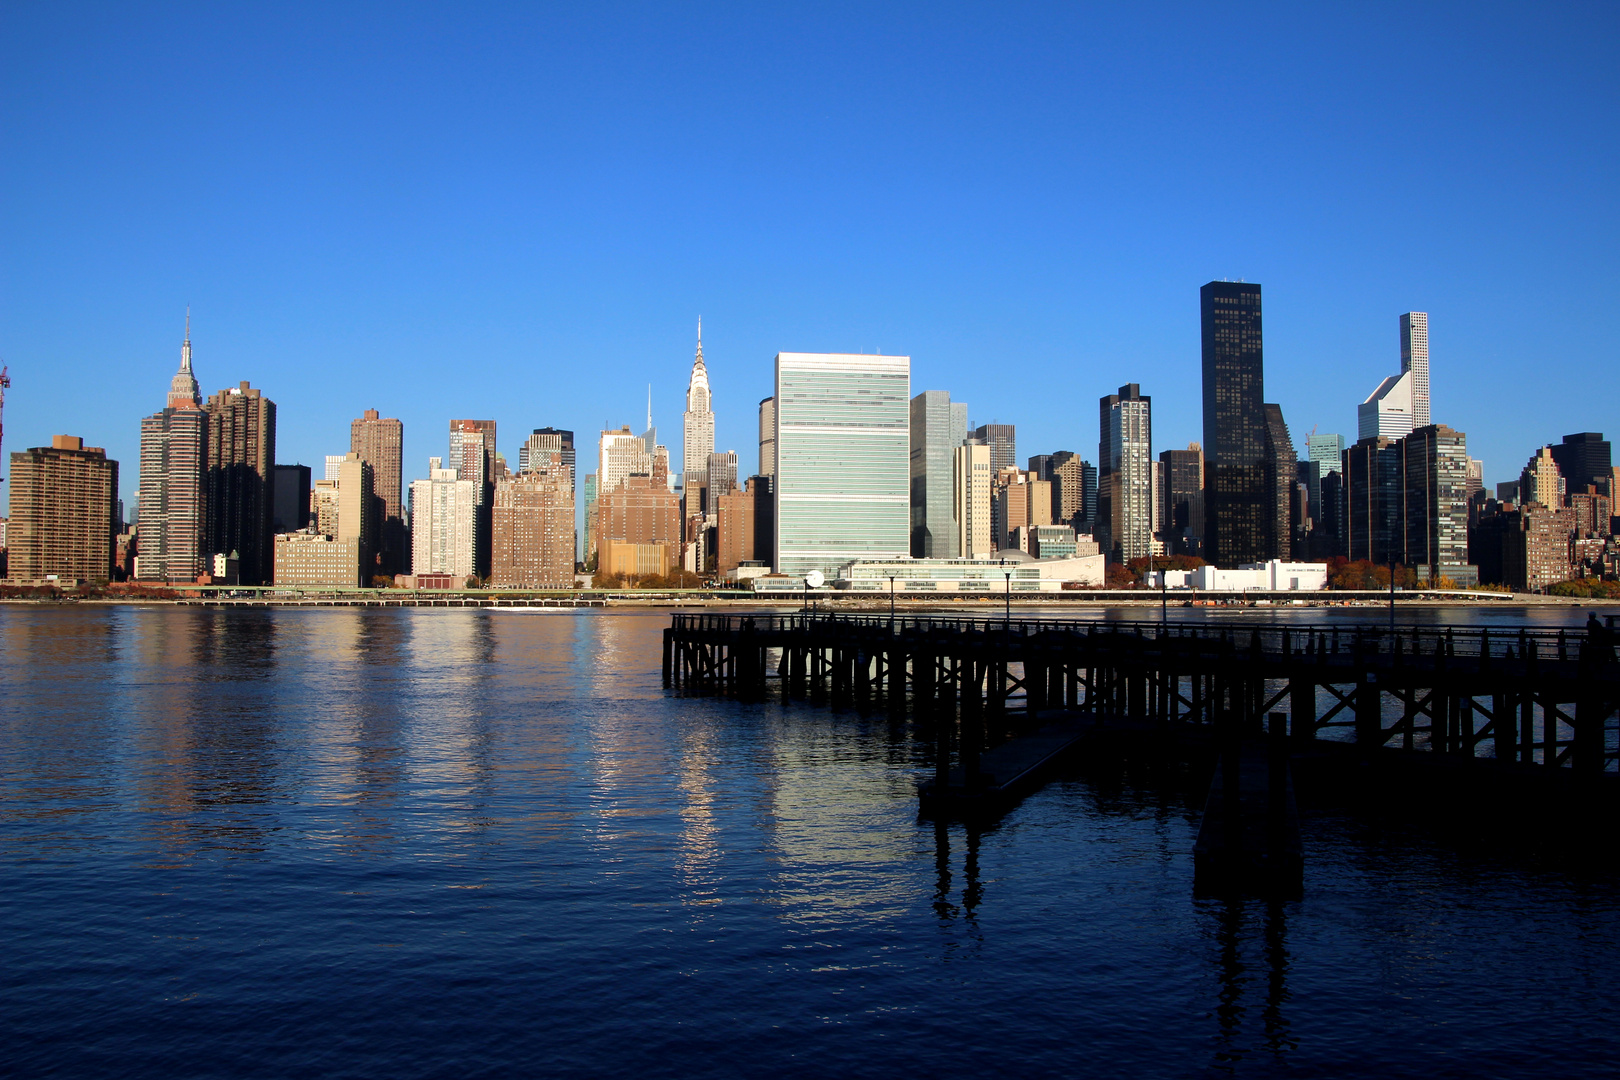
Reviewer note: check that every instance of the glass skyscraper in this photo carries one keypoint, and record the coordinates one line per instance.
(843, 448)
(938, 427)
(1238, 503)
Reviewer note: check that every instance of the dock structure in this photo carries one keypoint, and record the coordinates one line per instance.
(1000, 700)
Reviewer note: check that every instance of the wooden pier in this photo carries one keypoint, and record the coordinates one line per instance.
(1001, 700)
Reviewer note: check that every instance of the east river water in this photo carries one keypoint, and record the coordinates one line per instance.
(397, 843)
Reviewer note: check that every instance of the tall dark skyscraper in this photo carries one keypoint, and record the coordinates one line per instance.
(1583, 459)
(241, 480)
(1002, 439)
(1239, 505)
(1282, 474)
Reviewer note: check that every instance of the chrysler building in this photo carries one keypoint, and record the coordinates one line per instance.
(697, 424)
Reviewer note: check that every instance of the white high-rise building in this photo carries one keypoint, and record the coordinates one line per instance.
(970, 490)
(697, 423)
(1387, 412)
(1415, 361)
(1125, 474)
(1400, 405)
(444, 522)
(842, 460)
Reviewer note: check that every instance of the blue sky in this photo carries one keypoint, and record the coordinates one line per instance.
(521, 213)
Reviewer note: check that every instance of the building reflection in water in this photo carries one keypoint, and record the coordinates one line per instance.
(1250, 960)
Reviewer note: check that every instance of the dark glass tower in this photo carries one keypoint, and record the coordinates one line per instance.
(1239, 505)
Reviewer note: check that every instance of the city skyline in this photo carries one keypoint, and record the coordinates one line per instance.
(969, 192)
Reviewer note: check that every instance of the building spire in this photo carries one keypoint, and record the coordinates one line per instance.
(183, 390)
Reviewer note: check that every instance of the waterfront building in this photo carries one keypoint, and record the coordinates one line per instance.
(532, 526)
(640, 513)
(1434, 511)
(1013, 573)
(938, 427)
(842, 453)
(1058, 542)
(173, 481)
(971, 501)
(307, 559)
(1002, 439)
(61, 520)
(1273, 575)
(1125, 474)
(445, 522)
(241, 460)
(767, 437)
(1183, 512)
(1237, 502)
(380, 442)
(290, 499)
(357, 512)
(697, 424)
(742, 526)
(1542, 481)
(1583, 460)
(1282, 477)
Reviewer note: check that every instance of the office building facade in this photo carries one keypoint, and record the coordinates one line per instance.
(1125, 474)
(938, 428)
(1237, 501)
(1183, 513)
(767, 437)
(445, 523)
(63, 513)
(970, 495)
(1002, 439)
(532, 527)
(842, 460)
(241, 478)
(380, 442)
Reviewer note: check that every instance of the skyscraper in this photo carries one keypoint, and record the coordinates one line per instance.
(1327, 450)
(938, 426)
(64, 501)
(1002, 439)
(971, 501)
(1183, 512)
(241, 474)
(1373, 524)
(472, 450)
(721, 476)
(1237, 503)
(290, 501)
(174, 462)
(535, 453)
(1434, 466)
(1125, 474)
(1542, 481)
(1068, 488)
(1583, 460)
(842, 453)
(532, 525)
(1282, 475)
(1415, 361)
(697, 423)
(380, 442)
(445, 521)
(767, 437)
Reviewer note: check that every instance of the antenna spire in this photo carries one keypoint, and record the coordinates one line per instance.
(649, 406)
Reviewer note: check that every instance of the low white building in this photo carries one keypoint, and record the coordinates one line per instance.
(1014, 572)
(1273, 576)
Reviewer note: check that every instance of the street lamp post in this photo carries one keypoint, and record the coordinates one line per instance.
(891, 603)
(1008, 575)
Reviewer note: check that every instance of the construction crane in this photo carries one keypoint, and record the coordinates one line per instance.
(5, 381)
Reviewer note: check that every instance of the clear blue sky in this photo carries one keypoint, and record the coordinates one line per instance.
(521, 214)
